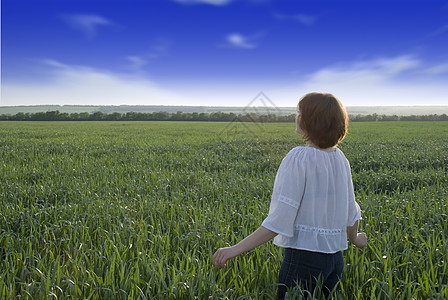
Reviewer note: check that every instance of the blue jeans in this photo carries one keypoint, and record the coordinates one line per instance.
(305, 267)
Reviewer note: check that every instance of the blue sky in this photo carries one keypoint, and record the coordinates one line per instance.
(223, 52)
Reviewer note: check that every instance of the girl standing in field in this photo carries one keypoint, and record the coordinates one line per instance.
(313, 208)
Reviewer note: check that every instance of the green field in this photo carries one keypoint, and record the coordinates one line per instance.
(135, 210)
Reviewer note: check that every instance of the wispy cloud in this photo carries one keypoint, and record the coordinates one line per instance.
(72, 84)
(304, 19)
(137, 62)
(440, 30)
(88, 24)
(158, 50)
(210, 2)
(237, 40)
(375, 70)
(438, 69)
(382, 81)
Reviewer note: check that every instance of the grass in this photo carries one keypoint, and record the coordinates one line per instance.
(135, 210)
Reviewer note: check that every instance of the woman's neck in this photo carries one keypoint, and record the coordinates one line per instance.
(329, 149)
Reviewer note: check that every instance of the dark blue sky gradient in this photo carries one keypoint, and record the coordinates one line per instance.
(179, 42)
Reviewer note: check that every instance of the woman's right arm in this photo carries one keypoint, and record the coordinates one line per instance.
(357, 239)
(258, 237)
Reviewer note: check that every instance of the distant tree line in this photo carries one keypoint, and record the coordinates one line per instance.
(376, 117)
(195, 116)
(139, 116)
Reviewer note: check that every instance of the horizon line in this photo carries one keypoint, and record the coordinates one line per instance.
(174, 105)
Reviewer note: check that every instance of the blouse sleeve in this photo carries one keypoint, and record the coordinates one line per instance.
(354, 211)
(286, 196)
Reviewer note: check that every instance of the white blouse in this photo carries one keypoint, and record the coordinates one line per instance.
(313, 201)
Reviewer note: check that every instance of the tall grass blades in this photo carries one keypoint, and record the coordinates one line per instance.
(135, 210)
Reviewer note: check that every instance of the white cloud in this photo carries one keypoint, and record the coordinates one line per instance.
(440, 30)
(158, 50)
(210, 2)
(239, 41)
(384, 81)
(68, 84)
(304, 19)
(377, 70)
(439, 69)
(88, 24)
(137, 62)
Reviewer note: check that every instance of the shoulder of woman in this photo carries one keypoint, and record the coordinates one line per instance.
(344, 158)
(297, 150)
(339, 151)
(296, 153)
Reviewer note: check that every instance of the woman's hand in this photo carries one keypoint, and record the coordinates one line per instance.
(222, 255)
(255, 239)
(361, 240)
(357, 239)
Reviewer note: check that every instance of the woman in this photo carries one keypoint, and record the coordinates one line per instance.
(313, 208)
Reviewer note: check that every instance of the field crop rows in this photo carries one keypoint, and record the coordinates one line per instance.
(135, 210)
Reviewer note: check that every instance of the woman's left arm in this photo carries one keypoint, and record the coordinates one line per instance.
(257, 238)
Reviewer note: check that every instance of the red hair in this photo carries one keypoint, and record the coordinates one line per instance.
(323, 119)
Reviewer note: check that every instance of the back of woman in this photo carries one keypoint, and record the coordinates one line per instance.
(313, 209)
(313, 197)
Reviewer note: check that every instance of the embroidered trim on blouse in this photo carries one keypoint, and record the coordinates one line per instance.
(318, 230)
(288, 201)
